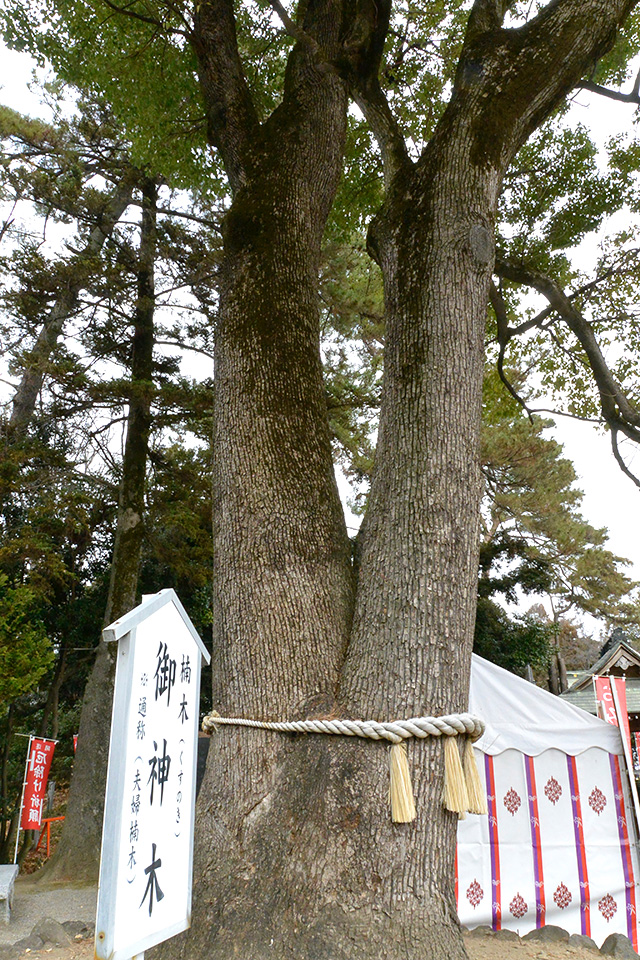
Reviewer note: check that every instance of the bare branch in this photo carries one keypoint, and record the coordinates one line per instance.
(632, 97)
(500, 310)
(127, 12)
(204, 221)
(617, 411)
(597, 421)
(618, 456)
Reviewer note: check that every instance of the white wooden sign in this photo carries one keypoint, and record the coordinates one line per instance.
(144, 895)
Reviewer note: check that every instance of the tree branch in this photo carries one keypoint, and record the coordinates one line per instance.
(294, 31)
(375, 107)
(364, 58)
(26, 394)
(517, 76)
(502, 321)
(232, 121)
(619, 459)
(486, 15)
(127, 12)
(632, 97)
(617, 411)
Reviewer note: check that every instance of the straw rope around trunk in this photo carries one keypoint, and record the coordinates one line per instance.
(462, 791)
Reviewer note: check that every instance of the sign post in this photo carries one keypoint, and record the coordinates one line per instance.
(144, 894)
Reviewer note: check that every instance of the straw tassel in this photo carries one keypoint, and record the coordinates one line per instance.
(454, 795)
(403, 808)
(477, 797)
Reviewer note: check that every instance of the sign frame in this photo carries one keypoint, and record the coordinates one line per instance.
(123, 631)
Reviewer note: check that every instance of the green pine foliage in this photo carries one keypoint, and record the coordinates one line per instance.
(26, 652)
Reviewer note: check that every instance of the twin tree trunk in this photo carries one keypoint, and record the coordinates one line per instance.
(295, 851)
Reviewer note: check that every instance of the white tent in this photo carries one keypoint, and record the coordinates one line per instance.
(559, 843)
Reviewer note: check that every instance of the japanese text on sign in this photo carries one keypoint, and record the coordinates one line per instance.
(35, 788)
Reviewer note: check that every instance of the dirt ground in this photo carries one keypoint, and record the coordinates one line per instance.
(478, 948)
(34, 901)
(497, 948)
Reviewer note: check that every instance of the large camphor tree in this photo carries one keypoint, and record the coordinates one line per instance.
(295, 851)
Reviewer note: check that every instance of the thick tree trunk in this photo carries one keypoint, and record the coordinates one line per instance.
(78, 854)
(410, 647)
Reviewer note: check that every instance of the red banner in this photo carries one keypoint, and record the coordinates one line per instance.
(605, 696)
(35, 788)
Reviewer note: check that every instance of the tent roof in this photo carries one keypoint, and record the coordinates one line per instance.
(524, 717)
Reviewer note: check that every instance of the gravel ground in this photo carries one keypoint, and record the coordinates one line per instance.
(33, 901)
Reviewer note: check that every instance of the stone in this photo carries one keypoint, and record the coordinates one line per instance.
(585, 943)
(507, 935)
(483, 931)
(83, 929)
(32, 942)
(52, 932)
(8, 874)
(617, 945)
(548, 934)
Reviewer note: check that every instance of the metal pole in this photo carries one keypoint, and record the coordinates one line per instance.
(24, 784)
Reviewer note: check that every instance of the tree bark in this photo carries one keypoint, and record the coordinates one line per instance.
(77, 856)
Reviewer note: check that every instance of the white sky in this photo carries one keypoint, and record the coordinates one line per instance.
(611, 500)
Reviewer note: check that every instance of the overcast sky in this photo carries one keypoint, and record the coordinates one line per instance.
(611, 499)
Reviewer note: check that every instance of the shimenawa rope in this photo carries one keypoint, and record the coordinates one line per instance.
(462, 790)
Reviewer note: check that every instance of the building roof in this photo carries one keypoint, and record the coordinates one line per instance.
(619, 660)
(585, 697)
